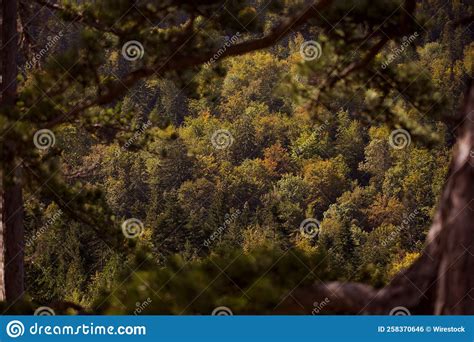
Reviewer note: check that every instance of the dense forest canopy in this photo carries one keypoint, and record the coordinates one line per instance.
(209, 154)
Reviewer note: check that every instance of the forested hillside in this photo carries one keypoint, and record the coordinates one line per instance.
(235, 183)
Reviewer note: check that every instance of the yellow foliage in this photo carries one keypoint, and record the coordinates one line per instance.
(404, 263)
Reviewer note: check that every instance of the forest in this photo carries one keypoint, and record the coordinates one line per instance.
(237, 157)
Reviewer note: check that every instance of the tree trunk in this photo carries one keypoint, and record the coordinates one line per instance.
(2, 244)
(441, 281)
(12, 242)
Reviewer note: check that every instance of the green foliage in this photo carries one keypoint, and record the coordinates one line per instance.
(244, 282)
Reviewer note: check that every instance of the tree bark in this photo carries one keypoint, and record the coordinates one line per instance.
(441, 281)
(2, 244)
(12, 229)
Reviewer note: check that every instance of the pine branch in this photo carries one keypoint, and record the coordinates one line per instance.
(184, 62)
